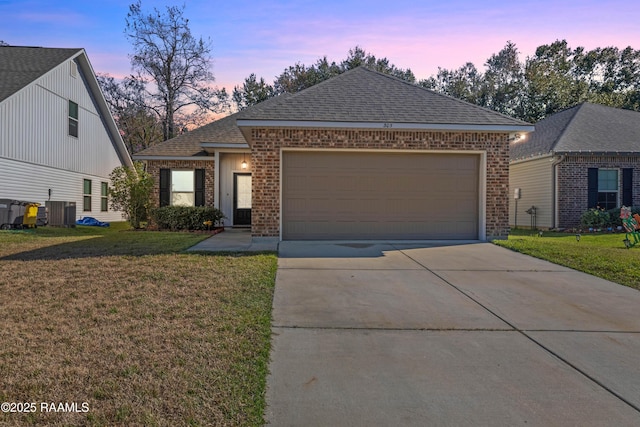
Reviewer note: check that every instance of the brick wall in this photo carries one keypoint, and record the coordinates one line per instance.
(267, 142)
(154, 166)
(572, 184)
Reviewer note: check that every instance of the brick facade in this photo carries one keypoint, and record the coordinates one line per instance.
(572, 184)
(268, 142)
(154, 166)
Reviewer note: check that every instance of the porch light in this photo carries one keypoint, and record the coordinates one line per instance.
(244, 162)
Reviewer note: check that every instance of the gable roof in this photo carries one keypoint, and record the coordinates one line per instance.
(223, 131)
(20, 66)
(365, 98)
(584, 128)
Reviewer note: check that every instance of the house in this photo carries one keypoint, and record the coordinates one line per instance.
(58, 140)
(360, 156)
(583, 157)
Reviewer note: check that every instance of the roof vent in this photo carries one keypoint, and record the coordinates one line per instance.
(73, 69)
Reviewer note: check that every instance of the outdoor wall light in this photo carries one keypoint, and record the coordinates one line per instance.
(244, 163)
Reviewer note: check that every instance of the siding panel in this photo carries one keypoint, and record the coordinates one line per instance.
(535, 180)
(31, 182)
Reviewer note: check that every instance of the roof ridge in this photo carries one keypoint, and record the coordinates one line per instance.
(563, 132)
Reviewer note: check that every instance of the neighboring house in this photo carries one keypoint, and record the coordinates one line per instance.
(584, 157)
(58, 140)
(360, 156)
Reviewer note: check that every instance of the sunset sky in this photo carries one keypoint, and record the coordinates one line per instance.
(265, 37)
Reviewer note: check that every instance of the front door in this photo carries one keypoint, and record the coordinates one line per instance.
(241, 199)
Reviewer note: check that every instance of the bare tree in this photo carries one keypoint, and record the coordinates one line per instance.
(172, 66)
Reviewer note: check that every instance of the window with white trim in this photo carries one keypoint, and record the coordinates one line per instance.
(182, 188)
(73, 119)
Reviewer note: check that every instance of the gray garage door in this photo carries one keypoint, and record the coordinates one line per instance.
(347, 195)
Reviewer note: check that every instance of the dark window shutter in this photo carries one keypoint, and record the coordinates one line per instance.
(199, 187)
(592, 185)
(627, 187)
(165, 187)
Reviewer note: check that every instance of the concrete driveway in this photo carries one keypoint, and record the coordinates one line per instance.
(381, 334)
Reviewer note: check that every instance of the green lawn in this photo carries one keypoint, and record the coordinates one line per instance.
(128, 322)
(603, 255)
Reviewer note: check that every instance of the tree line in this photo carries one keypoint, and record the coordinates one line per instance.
(171, 87)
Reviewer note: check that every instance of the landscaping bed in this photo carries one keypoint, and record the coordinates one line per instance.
(132, 329)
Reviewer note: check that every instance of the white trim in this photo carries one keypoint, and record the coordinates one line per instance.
(216, 180)
(385, 126)
(224, 145)
(529, 159)
(482, 191)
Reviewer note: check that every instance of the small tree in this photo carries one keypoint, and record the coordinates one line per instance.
(130, 192)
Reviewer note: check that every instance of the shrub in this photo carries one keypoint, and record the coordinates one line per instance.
(186, 217)
(596, 218)
(599, 218)
(130, 192)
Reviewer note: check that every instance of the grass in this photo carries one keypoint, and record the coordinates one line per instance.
(603, 255)
(128, 322)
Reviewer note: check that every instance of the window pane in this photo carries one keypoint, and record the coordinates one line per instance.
(104, 189)
(183, 199)
(181, 180)
(86, 204)
(104, 204)
(607, 180)
(87, 186)
(73, 127)
(73, 110)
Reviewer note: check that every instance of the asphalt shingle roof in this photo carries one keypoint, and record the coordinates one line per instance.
(584, 128)
(20, 65)
(363, 95)
(188, 144)
(223, 131)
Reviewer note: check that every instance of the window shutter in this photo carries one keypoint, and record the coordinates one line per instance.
(165, 187)
(627, 186)
(592, 186)
(199, 187)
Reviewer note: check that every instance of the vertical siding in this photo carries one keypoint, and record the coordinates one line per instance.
(30, 182)
(33, 126)
(535, 180)
(36, 152)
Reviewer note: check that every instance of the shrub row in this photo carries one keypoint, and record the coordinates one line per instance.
(186, 217)
(600, 218)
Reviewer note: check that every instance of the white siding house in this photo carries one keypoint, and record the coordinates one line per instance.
(58, 140)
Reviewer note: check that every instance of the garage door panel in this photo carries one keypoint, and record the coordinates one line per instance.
(338, 195)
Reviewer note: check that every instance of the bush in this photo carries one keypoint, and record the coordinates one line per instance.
(596, 218)
(186, 217)
(599, 218)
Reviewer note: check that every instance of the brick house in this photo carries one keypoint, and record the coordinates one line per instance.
(579, 158)
(360, 156)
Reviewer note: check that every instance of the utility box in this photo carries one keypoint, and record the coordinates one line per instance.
(61, 214)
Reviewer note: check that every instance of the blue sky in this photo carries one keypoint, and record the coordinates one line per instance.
(265, 37)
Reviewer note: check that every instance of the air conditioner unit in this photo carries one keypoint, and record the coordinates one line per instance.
(61, 214)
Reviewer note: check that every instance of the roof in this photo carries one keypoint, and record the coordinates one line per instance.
(363, 96)
(188, 144)
(221, 131)
(20, 65)
(584, 128)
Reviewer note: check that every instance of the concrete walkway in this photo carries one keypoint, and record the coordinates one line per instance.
(380, 334)
(234, 240)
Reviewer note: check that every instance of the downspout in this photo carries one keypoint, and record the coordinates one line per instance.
(554, 188)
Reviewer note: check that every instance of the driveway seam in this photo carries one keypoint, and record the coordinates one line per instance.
(523, 332)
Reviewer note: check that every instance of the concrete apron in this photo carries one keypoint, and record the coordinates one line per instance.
(376, 334)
